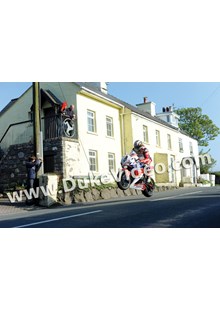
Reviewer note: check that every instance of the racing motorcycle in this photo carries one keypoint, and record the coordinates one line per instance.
(134, 174)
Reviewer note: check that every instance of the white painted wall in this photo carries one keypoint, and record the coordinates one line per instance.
(137, 124)
(98, 141)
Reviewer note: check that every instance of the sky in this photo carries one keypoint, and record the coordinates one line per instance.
(182, 94)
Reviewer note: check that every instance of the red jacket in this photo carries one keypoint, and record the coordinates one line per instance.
(143, 155)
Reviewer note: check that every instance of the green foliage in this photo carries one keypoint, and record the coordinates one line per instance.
(205, 168)
(202, 181)
(197, 125)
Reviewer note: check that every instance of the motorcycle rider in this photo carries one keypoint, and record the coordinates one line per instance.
(135, 172)
(140, 153)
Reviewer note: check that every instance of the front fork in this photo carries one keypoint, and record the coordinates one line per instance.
(127, 174)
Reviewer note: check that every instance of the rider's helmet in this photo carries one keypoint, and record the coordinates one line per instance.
(138, 144)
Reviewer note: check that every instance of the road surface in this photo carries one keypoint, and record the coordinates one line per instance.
(181, 208)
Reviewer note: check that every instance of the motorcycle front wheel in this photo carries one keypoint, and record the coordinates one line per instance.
(123, 183)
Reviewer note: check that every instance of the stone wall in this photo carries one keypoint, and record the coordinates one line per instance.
(12, 166)
(96, 194)
(12, 163)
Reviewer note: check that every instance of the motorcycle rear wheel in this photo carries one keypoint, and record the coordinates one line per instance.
(150, 186)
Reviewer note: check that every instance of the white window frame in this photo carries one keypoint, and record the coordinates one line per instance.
(109, 127)
(93, 160)
(181, 145)
(93, 118)
(169, 141)
(158, 138)
(190, 147)
(145, 134)
(111, 165)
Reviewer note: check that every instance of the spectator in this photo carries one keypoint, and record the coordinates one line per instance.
(68, 112)
(32, 165)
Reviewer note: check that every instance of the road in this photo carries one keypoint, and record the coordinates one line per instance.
(181, 208)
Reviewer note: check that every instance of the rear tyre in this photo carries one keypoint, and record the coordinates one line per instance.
(123, 184)
(150, 186)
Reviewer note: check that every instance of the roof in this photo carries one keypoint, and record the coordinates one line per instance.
(45, 93)
(50, 97)
(55, 101)
(8, 106)
(127, 105)
(131, 107)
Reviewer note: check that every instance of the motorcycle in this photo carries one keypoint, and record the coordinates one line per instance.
(136, 175)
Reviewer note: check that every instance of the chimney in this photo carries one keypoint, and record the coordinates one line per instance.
(100, 86)
(145, 99)
(147, 106)
(167, 109)
(103, 87)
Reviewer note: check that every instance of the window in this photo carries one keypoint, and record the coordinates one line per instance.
(157, 138)
(180, 145)
(145, 134)
(191, 148)
(93, 166)
(111, 161)
(169, 142)
(91, 122)
(109, 126)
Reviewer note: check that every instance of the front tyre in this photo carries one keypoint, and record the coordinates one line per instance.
(123, 184)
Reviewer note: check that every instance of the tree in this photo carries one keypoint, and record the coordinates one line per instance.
(206, 165)
(197, 125)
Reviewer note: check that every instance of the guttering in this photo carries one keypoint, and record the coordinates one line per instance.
(103, 97)
(136, 114)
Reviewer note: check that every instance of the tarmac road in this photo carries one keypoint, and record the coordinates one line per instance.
(182, 208)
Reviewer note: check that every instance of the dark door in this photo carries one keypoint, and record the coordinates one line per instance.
(48, 163)
(50, 124)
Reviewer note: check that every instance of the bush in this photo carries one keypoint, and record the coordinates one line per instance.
(202, 181)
